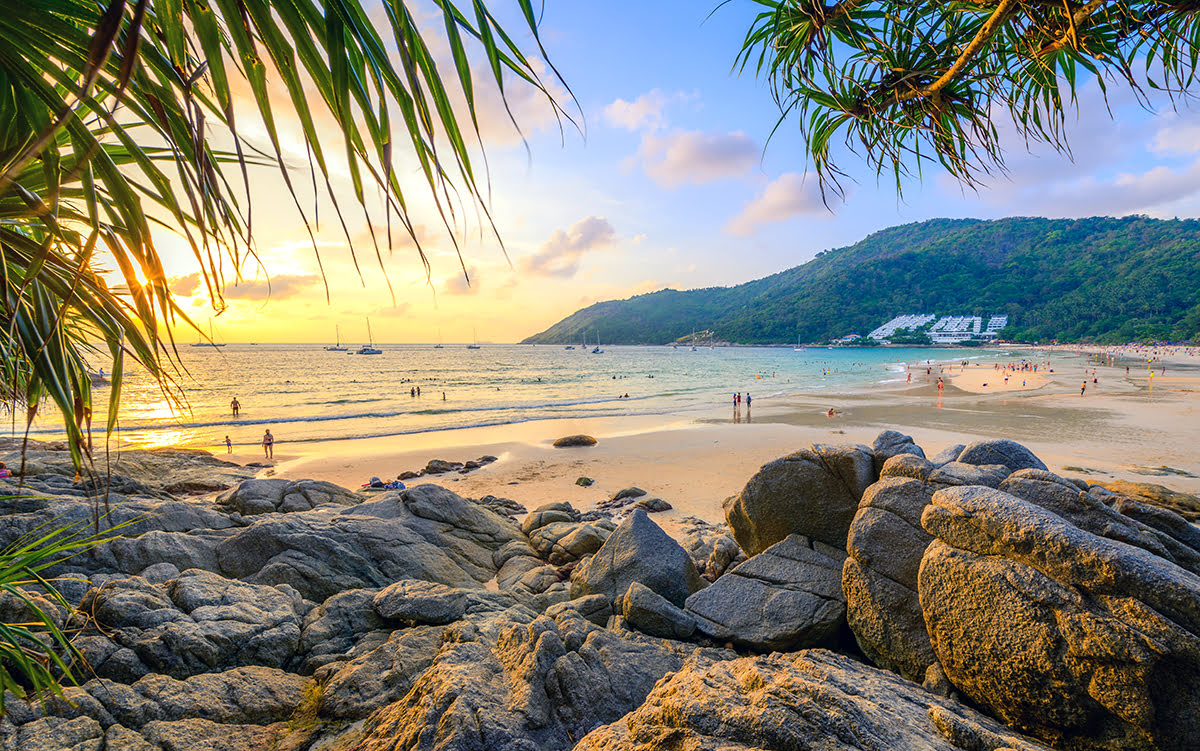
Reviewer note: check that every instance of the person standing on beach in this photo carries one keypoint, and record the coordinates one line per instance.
(268, 444)
(228, 445)
(418, 390)
(236, 406)
(1082, 388)
(747, 401)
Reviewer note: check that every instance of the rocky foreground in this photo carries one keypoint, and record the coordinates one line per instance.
(860, 598)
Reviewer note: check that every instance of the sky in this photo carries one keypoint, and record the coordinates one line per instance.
(666, 179)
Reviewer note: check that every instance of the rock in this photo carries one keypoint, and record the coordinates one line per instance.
(336, 626)
(813, 492)
(441, 466)
(653, 505)
(204, 735)
(649, 612)
(547, 514)
(1164, 520)
(409, 474)
(564, 542)
(621, 495)
(420, 602)
(381, 676)
(540, 686)
(574, 440)
(1073, 637)
(197, 623)
(487, 459)
(710, 545)
(638, 551)
(789, 596)
(962, 473)
(58, 734)
(584, 482)
(947, 455)
(1002, 451)
(501, 506)
(879, 579)
(1064, 498)
(1187, 506)
(267, 496)
(891, 443)
(907, 465)
(425, 532)
(812, 699)
(251, 695)
(594, 608)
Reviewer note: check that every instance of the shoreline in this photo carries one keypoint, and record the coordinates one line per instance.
(1124, 428)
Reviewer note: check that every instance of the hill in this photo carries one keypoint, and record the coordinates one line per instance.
(1099, 279)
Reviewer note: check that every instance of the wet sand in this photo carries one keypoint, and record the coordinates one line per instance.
(1124, 427)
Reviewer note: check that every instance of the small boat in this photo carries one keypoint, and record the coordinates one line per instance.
(439, 344)
(337, 338)
(569, 346)
(211, 339)
(369, 348)
(596, 350)
(475, 340)
(799, 346)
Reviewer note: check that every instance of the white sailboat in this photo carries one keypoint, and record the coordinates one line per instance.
(337, 338)
(212, 339)
(799, 346)
(369, 348)
(596, 350)
(474, 340)
(439, 344)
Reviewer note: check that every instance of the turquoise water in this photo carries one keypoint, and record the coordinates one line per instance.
(303, 393)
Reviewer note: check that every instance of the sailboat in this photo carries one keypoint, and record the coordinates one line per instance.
(596, 350)
(439, 344)
(693, 340)
(474, 340)
(211, 339)
(799, 346)
(337, 338)
(369, 348)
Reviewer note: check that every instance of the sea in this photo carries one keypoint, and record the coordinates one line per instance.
(305, 393)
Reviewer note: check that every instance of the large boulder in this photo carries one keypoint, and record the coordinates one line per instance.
(197, 623)
(426, 532)
(420, 602)
(638, 551)
(382, 675)
(802, 700)
(891, 443)
(276, 494)
(1153, 494)
(538, 686)
(1076, 638)
(787, 597)
(651, 613)
(879, 578)
(1089, 512)
(813, 492)
(1000, 451)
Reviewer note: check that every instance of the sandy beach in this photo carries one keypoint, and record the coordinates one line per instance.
(1125, 427)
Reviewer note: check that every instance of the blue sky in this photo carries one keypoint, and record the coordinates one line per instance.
(672, 184)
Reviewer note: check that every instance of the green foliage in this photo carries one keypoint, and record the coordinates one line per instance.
(34, 654)
(1101, 279)
(110, 116)
(910, 83)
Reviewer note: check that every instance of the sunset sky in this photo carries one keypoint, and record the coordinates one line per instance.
(668, 182)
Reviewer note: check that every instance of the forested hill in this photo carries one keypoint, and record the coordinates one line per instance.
(1102, 279)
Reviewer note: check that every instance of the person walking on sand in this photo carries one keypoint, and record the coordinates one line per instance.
(1082, 388)
(228, 445)
(268, 444)
(236, 406)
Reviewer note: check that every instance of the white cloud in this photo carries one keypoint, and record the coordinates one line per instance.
(647, 111)
(186, 285)
(1177, 137)
(561, 255)
(697, 156)
(787, 196)
(278, 288)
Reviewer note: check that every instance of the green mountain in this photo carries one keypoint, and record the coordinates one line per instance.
(1099, 279)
